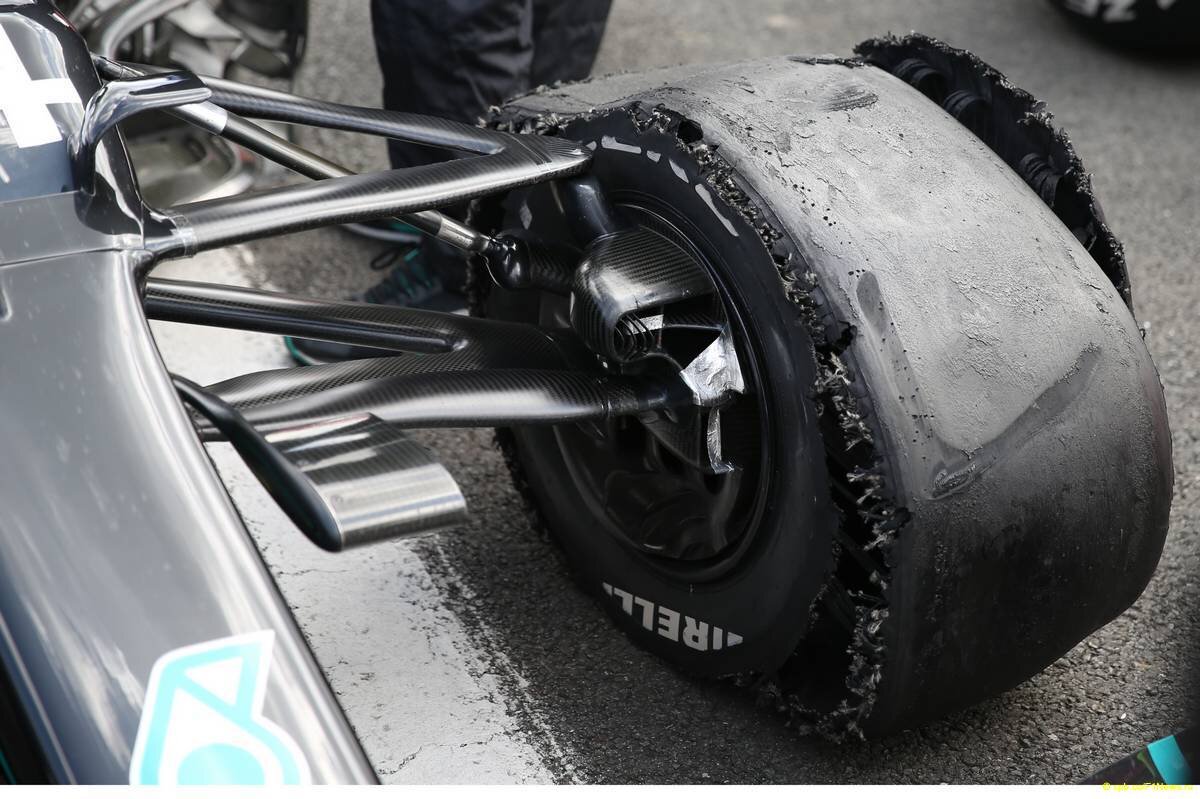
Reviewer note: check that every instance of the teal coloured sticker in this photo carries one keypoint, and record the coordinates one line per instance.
(1170, 761)
(202, 723)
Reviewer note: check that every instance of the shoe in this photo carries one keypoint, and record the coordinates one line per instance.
(407, 284)
(392, 231)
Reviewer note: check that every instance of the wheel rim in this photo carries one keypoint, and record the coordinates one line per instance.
(681, 518)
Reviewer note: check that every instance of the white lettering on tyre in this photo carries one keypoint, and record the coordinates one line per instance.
(673, 625)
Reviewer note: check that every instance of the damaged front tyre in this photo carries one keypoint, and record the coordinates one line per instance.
(944, 459)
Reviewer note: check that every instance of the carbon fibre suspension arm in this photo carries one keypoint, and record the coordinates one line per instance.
(475, 398)
(221, 122)
(464, 371)
(358, 198)
(497, 162)
(482, 342)
(472, 372)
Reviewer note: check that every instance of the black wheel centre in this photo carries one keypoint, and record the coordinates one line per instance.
(678, 513)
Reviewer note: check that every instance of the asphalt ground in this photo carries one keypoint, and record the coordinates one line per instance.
(594, 708)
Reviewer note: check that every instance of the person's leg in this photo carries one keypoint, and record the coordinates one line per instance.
(454, 59)
(451, 59)
(566, 38)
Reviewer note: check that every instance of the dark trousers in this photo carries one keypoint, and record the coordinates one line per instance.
(456, 58)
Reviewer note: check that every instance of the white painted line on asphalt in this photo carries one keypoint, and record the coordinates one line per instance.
(427, 704)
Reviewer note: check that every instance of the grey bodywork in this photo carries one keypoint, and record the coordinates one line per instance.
(118, 542)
